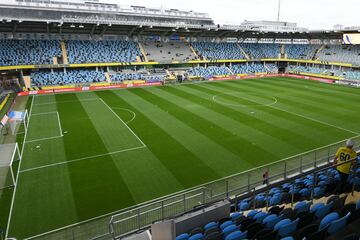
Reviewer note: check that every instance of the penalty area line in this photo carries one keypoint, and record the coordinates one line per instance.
(81, 159)
(42, 139)
(43, 113)
(58, 118)
(117, 116)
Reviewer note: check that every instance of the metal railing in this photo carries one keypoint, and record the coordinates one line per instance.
(235, 185)
(138, 217)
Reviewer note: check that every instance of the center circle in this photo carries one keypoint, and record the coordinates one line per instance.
(242, 99)
(129, 115)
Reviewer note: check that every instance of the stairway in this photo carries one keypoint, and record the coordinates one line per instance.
(232, 73)
(64, 53)
(316, 52)
(107, 77)
(143, 52)
(192, 49)
(242, 50)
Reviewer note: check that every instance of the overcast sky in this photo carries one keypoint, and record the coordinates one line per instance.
(314, 14)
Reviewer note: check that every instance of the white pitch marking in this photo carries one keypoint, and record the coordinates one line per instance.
(68, 101)
(43, 113)
(58, 117)
(319, 121)
(128, 110)
(243, 105)
(42, 139)
(176, 193)
(18, 173)
(296, 114)
(122, 121)
(81, 159)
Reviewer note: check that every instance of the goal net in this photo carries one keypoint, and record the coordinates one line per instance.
(18, 121)
(9, 162)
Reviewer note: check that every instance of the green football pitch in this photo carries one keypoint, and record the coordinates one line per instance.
(92, 153)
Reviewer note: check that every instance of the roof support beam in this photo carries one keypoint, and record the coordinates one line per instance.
(14, 28)
(92, 30)
(103, 30)
(132, 31)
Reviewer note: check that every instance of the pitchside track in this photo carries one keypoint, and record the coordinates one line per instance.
(89, 154)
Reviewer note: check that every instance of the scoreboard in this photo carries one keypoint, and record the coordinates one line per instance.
(351, 38)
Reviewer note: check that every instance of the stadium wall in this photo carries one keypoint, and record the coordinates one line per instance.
(3, 103)
(64, 89)
(117, 64)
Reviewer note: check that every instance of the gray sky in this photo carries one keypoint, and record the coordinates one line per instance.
(314, 14)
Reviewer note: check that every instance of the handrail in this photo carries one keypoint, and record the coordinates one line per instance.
(138, 217)
(319, 161)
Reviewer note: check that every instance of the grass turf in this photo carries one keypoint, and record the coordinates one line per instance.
(124, 147)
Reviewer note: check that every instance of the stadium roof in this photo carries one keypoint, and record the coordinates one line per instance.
(90, 18)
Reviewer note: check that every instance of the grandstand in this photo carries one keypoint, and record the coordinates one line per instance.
(102, 51)
(141, 123)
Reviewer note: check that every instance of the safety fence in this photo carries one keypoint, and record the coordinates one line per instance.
(138, 217)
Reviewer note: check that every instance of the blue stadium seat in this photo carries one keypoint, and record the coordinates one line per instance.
(328, 219)
(252, 213)
(281, 223)
(323, 210)
(229, 229)
(198, 236)
(211, 225)
(287, 229)
(184, 236)
(216, 51)
(271, 220)
(225, 224)
(80, 51)
(259, 217)
(237, 235)
(338, 224)
(302, 206)
(26, 52)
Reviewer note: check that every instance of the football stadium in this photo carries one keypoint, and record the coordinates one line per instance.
(139, 123)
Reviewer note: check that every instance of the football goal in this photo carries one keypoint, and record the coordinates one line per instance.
(16, 122)
(12, 126)
(9, 163)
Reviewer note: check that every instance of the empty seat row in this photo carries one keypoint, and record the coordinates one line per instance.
(80, 51)
(304, 221)
(25, 52)
(42, 78)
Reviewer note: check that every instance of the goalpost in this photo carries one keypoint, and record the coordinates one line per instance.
(9, 162)
(18, 122)
(11, 125)
(15, 123)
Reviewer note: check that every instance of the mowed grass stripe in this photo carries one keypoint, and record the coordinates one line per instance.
(256, 130)
(307, 110)
(44, 201)
(209, 114)
(6, 194)
(203, 133)
(316, 92)
(159, 137)
(322, 88)
(278, 124)
(96, 183)
(312, 102)
(35, 197)
(327, 132)
(113, 132)
(145, 175)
